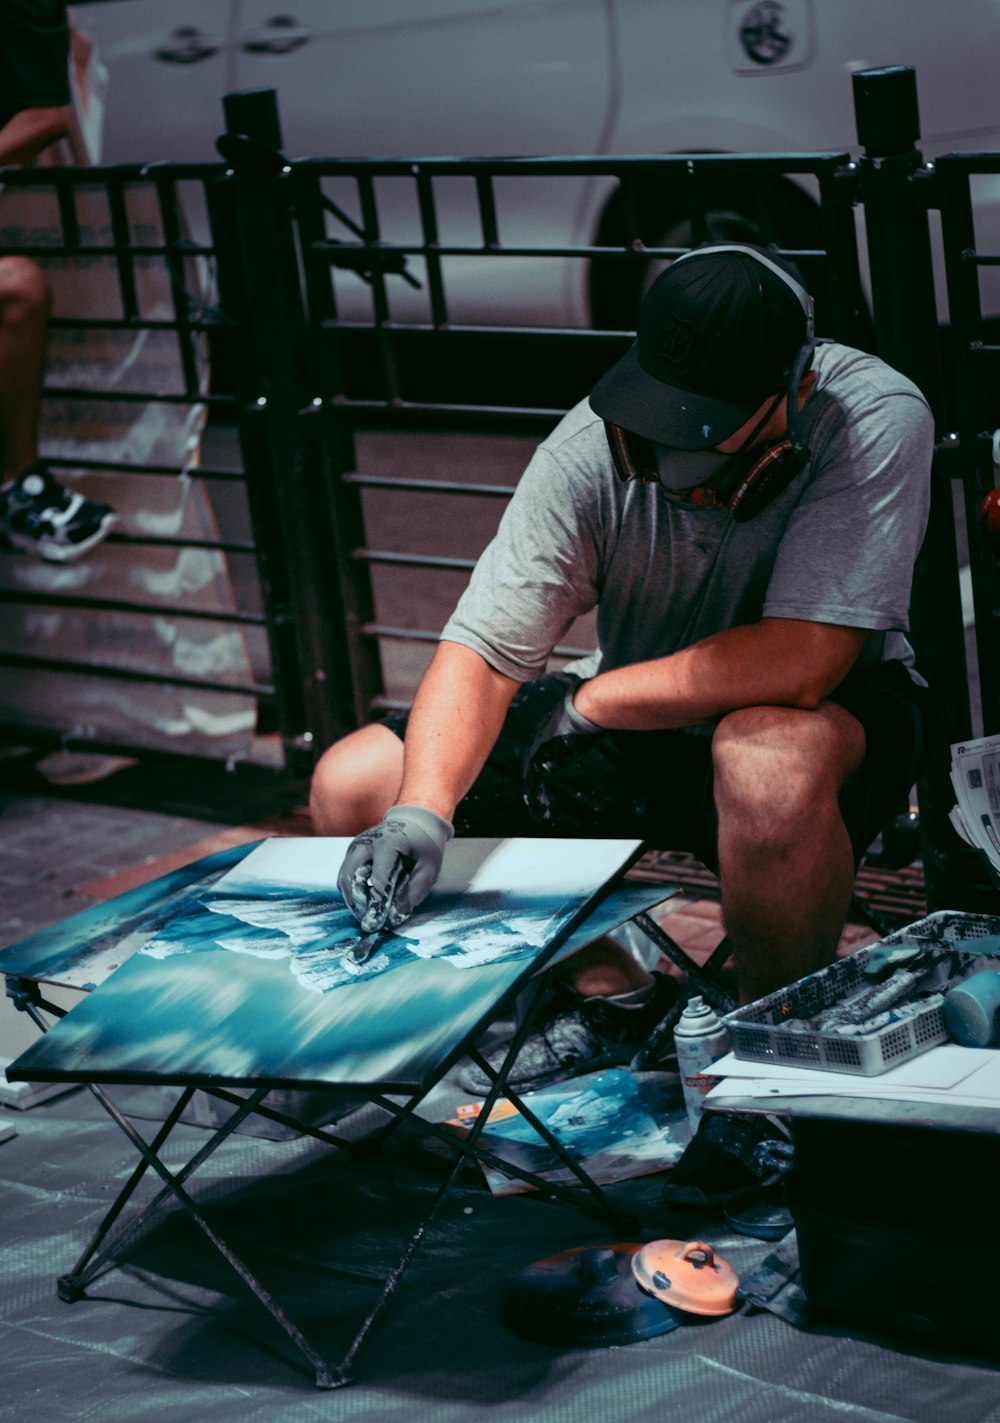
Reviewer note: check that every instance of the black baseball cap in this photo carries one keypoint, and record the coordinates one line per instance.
(717, 333)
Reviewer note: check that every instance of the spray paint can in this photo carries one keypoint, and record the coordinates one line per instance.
(701, 1038)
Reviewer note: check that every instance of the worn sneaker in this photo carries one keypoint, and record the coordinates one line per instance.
(38, 515)
(576, 1035)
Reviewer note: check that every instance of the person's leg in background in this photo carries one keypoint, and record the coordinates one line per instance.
(24, 313)
(37, 514)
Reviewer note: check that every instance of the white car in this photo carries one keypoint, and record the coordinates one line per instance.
(381, 78)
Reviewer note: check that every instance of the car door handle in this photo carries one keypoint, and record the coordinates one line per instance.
(280, 35)
(191, 47)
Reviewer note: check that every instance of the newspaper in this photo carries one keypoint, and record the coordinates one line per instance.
(975, 775)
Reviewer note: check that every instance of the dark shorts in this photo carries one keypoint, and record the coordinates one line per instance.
(657, 785)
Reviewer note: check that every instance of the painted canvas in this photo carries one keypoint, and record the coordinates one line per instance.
(279, 904)
(600, 1119)
(82, 951)
(267, 982)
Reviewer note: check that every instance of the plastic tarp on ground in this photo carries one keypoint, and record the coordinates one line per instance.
(174, 1334)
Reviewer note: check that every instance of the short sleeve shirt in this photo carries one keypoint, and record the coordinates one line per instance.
(837, 546)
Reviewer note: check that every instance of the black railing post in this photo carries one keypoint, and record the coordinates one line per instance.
(907, 337)
(973, 413)
(332, 429)
(274, 420)
(240, 359)
(898, 231)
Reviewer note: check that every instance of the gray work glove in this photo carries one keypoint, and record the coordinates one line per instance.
(389, 869)
(556, 742)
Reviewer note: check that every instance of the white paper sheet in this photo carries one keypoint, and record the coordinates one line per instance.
(947, 1074)
(940, 1067)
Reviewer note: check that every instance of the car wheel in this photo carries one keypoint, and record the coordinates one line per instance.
(733, 210)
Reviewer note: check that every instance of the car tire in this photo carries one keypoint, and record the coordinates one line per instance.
(734, 210)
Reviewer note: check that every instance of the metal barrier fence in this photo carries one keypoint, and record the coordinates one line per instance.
(497, 377)
(149, 642)
(336, 304)
(898, 191)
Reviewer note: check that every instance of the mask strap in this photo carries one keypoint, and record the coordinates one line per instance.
(792, 444)
(737, 463)
(631, 455)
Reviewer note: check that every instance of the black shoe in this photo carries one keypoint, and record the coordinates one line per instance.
(39, 516)
(729, 1152)
(576, 1035)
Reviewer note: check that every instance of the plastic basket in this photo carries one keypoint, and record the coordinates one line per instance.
(758, 1032)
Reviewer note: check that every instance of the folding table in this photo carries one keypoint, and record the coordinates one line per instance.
(235, 1011)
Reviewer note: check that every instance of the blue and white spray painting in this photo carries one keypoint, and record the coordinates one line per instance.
(237, 991)
(490, 905)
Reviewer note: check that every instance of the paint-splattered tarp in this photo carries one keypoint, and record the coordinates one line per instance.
(175, 1334)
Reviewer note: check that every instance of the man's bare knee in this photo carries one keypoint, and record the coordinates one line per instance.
(356, 781)
(24, 292)
(774, 765)
(780, 773)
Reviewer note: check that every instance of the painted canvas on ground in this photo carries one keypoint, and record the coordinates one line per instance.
(248, 999)
(601, 1120)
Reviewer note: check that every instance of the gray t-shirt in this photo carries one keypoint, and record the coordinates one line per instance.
(837, 546)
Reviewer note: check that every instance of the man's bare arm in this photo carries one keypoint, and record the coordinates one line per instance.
(776, 662)
(456, 718)
(26, 135)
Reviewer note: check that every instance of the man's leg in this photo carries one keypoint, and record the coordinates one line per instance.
(786, 863)
(356, 781)
(24, 314)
